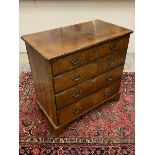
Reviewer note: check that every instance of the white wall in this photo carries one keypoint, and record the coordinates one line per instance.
(43, 15)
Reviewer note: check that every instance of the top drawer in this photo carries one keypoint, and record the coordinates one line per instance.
(71, 61)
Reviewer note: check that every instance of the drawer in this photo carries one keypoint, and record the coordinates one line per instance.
(74, 77)
(87, 87)
(69, 113)
(69, 62)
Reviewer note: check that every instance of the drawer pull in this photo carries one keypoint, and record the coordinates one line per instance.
(113, 62)
(93, 81)
(109, 78)
(114, 47)
(96, 64)
(116, 60)
(76, 111)
(108, 93)
(93, 96)
(76, 94)
(76, 60)
(76, 78)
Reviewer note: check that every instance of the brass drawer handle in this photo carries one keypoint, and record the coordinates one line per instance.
(93, 81)
(93, 96)
(76, 94)
(75, 61)
(114, 47)
(109, 78)
(76, 78)
(112, 62)
(116, 60)
(76, 111)
(95, 64)
(108, 93)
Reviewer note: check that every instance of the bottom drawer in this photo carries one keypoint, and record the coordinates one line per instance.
(69, 113)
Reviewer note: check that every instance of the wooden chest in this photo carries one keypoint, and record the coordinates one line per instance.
(76, 68)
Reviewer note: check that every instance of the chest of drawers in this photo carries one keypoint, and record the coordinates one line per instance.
(76, 68)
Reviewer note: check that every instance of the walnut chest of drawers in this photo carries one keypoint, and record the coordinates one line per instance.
(76, 68)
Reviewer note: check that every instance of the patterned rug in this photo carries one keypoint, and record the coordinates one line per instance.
(107, 130)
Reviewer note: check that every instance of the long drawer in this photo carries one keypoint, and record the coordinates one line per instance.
(69, 62)
(74, 77)
(86, 88)
(73, 110)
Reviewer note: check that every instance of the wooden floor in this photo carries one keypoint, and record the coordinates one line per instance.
(24, 63)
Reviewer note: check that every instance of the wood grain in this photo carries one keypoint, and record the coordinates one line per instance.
(86, 88)
(41, 73)
(68, 113)
(76, 76)
(76, 68)
(72, 61)
(65, 40)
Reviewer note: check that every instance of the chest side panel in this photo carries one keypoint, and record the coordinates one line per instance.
(42, 78)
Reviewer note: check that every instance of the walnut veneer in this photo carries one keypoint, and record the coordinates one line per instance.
(76, 68)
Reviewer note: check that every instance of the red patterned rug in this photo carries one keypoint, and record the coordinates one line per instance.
(107, 130)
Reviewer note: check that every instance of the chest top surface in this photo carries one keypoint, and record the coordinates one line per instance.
(65, 40)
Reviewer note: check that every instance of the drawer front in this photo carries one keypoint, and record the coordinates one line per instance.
(69, 62)
(69, 113)
(74, 77)
(86, 88)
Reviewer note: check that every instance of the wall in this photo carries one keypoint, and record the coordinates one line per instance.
(43, 15)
